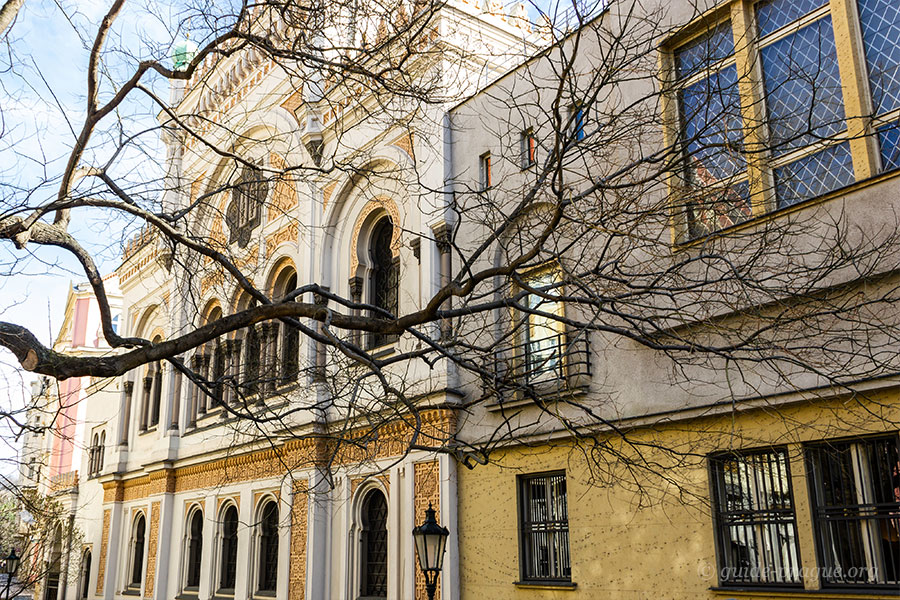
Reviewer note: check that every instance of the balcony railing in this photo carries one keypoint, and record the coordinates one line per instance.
(544, 366)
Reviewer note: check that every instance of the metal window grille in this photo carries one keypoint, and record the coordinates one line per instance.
(385, 278)
(544, 526)
(755, 523)
(855, 488)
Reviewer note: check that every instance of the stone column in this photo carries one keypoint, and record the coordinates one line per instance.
(125, 419)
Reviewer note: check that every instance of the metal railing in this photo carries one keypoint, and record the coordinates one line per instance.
(562, 361)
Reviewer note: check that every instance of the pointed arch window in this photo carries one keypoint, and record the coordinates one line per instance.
(194, 551)
(384, 278)
(268, 547)
(85, 573)
(228, 554)
(138, 538)
(374, 546)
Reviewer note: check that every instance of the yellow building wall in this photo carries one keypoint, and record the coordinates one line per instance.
(643, 528)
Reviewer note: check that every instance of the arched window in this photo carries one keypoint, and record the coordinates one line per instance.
(101, 450)
(85, 573)
(246, 353)
(268, 547)
(208, 363)
(138, 537)
(384, 278)
(288, 336)
(228, 556)
(92, 456)
(373, 546)
(194, 550)
(152, 396)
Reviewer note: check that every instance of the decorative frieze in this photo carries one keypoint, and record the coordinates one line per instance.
(299, 533)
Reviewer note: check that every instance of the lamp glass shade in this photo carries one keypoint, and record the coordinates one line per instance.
(12, 562)
(431, 541)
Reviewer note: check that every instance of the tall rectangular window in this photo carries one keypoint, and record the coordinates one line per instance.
(528, 148)
(755, 523)
(879, 21)
(804, 101)
(578, 122)
(544, 528)
(714, 180)
(543, 331)
(484, 163)
(855, 488)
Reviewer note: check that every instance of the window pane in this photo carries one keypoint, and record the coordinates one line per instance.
(711, 118)
(772, 15)
(880, 23)
(803, 87)
(704, 51)
(889, 138)
(814, 175)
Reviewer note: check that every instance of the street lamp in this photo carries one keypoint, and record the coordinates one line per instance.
(431, 540)
(12, 565)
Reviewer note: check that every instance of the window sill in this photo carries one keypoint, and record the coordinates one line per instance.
(187, 595)
(131, 592)
(148, 430)
(793, 592)
(264, 594)
(548, 585)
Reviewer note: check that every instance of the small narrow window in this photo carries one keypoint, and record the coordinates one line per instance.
(485, 171)
(268, 547)
(228, 562)
(195, 550)
(544, 528)
(578, 122)
(755, 523)
(528, 148)
(856, 502)
(101, 449)
(137, 552)
(373, 581)
(86, 574)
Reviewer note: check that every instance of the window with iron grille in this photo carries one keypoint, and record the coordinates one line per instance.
(855, 489)
(756, 529)
(137, 552)
(544, 528)
(268, 548)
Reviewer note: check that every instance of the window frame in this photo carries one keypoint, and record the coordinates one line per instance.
(258, 590)
(719, 527)
(186, 586)
(220, 554)
(524, 325)
(818, 522)
(485, 174)
(524, 577)
(528, 148)
(860, 129)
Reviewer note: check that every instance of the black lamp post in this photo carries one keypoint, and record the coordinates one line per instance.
(12, 565)
(431, 541)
